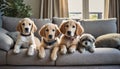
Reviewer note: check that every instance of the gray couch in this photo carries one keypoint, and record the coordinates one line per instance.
(102, 58)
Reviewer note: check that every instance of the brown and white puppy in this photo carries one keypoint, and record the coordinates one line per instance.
(86, 42)
(49, 33)
(26, 27)
(70, 29)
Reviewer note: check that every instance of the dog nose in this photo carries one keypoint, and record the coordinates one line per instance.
(69, 32)
(26, 29)
(50, 36)
(86, 43)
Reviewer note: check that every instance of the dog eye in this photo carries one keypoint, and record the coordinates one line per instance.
(47, 30)
(73, 26)
(29, 23)
(67, 26)
(53, 30)
(23, 24)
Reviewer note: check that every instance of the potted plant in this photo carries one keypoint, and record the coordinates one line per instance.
(15, 8)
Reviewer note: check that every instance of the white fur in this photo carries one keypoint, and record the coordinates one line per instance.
(25, 40)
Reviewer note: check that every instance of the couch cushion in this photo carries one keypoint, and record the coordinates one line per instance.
(99, 27)
(2, 57)
(108, 40)
(5, 42)
(10, 23)
(23, 59)
(0, 20)
(3, 30)
(101, 56)
(39, 23)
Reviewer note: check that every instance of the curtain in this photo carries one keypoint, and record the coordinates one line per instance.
(114, 11)
(53, 8)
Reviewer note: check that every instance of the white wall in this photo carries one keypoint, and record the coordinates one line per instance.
(35, 5)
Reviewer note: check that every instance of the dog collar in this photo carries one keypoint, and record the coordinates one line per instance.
(25, 35)
(50, 42)
(70, 38)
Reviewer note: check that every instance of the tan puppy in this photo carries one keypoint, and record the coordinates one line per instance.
(26, 27)
(70, 29)
(49, 34)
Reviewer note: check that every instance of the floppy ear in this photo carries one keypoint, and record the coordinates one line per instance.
(62, 27)
(42, 31)
(79, 29)
(34, 28)
(57, 31)
(19, 28)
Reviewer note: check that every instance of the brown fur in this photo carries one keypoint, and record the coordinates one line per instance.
(69, 42)
(44, 34)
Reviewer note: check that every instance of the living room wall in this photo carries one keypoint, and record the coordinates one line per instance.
(35, 4)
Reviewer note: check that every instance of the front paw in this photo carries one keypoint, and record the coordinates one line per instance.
(63, 51)
(81, 50)
(53, 57)
(41, 55)
(16, 51)
(91, 50)
(31, 52)
(72, 50)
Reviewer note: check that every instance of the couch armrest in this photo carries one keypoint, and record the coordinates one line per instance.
(5, 42)
(2, 30)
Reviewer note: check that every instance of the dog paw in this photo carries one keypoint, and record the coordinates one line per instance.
(63, 51)
(53, 57)
(31, 52)
(91, 50)
(41, 56)
(81, 50)
(72, 50)
(16, 51)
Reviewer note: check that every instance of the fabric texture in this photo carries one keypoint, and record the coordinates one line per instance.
(101, 56)
(5, 42)
(3, 30)
(2, 57)
(99, 27)
(108, 40)
(13, 35)
(15, 59)
(53, 8)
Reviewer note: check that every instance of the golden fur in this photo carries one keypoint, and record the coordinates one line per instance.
(45, 32)
(30, 40)
(70, 29)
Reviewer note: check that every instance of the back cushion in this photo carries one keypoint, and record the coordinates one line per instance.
(10, 23)
(99, 27)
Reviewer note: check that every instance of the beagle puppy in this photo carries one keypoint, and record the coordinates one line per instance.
(70, 29)
(49, 33)
(26, 28)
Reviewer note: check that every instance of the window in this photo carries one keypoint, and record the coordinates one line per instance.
(86, 9)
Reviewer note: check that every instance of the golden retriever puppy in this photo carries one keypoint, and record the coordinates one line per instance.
(26, 27)
(70, 29)
(49, 33)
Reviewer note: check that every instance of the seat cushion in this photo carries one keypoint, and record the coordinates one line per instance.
(101, 56)
(108, 40)
(6, 42)
(23, 59)
(2, 57)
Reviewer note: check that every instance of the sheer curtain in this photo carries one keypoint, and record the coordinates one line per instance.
(113, 10)
(53, 8)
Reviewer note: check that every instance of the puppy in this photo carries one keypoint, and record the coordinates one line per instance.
(70, 29)
(26, 27)
(49, 33)
(86, 42)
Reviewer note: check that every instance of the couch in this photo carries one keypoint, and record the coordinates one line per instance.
(102, 58)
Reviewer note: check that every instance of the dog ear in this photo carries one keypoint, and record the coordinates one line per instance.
(42, 31)
(62, 26)
(34, 28)
(79, 28)
(19, 28)
(57, 33)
